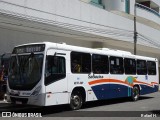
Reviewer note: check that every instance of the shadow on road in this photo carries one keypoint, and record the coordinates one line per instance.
(145, 97)
(45, 111)
(111, 101)
(155, 112)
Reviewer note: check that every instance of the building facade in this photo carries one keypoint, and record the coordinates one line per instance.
(88, 23)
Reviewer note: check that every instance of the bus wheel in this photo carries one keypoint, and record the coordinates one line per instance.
(135, 93)
(76, 100)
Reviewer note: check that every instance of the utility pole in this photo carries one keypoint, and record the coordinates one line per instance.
(135, 31)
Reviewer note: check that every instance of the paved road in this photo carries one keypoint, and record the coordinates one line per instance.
(147, 105)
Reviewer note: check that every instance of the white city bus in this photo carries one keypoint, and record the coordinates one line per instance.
(48, 73)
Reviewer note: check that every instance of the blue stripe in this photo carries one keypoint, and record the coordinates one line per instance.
(108, 91)
(146, 89)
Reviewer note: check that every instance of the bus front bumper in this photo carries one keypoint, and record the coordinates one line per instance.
(38, 100)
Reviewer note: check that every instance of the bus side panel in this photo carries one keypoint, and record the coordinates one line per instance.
(152, 85)
(118, 86)
(148, 89)
(56, 99)
(101, 91)
(111, 87)
(151, 82)
(81, 81)
(108, 91)
(56, 92)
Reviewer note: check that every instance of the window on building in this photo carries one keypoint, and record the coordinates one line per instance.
(151, 67)
(80, 62)
(116, 65)
(97, 3)
(100, 64)
(127, 6)
(149, 5)
(130, 66)
(141, 67)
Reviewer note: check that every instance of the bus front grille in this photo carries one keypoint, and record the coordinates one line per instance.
(23, 100)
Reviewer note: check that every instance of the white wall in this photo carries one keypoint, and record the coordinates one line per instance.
(132, 3)
(10, 37)
(147, 15)
(78, 13)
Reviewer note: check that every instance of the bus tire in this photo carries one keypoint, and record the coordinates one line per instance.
(76, 100)
(135, 93)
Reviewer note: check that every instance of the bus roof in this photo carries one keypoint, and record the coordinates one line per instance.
(102, 51)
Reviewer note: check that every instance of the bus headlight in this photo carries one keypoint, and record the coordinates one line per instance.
(36, 91)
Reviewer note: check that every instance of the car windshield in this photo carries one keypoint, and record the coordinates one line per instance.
(25, 71)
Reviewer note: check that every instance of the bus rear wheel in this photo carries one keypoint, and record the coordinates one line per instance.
(135, 93)
(76, 101)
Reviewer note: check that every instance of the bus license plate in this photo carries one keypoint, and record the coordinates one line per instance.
(18, 102)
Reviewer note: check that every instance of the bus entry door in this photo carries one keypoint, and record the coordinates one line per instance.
(56, 78)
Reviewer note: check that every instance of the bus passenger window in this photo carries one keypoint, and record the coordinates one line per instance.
(130, 66)
(141, 67)
(116, 65)
(151, 67)
(80, 62)
(100, 64)
(55, 69)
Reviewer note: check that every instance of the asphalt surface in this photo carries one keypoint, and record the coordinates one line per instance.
(146, 106)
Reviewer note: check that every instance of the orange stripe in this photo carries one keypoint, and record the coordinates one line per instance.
(118, 81)
(154, 83)
(143, 83)
(107, 80)
(99, 81)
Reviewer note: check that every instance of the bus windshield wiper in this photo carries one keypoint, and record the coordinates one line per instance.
(19, 67)
(30, 56)
(17, 60)
(29, 61)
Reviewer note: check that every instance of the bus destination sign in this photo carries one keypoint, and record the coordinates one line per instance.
(29, 49)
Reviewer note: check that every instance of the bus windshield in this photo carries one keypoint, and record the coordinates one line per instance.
(25, 71)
